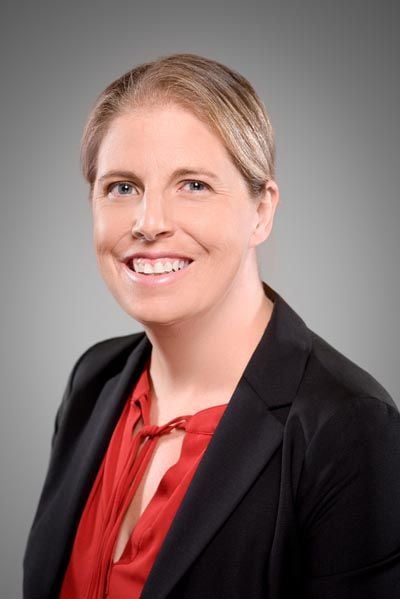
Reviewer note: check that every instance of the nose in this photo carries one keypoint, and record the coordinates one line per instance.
(151, 219)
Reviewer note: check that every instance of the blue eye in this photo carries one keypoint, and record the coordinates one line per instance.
(122, 188)
(197, 185)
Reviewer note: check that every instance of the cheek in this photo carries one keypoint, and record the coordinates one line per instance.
(220, 227)
(101, 236)
(231, 235)
(108, 227)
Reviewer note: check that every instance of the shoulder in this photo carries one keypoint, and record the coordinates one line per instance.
(104, 358)
(338, 402)
(111, 347)
(91, 371)
(347, 486)
(328, 364)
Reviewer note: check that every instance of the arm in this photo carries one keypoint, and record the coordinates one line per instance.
(349, 505)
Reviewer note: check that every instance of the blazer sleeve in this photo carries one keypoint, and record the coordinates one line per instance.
(348, 504)
(57, 425)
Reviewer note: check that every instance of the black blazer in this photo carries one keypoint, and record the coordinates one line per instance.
(297, 494)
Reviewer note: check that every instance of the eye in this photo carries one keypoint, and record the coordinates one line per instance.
(123, 188)
(196, 185)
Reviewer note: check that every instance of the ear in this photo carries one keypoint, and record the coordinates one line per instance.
(264, 214)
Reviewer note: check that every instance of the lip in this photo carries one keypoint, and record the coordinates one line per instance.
(168, 278)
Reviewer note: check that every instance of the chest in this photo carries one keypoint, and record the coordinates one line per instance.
(165, 455)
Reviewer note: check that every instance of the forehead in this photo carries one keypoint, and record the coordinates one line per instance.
(161, 135)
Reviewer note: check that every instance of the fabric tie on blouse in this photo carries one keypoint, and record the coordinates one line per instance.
(92, 573)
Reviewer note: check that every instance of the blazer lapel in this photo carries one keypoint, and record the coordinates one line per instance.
(244, 441)
(86, 441)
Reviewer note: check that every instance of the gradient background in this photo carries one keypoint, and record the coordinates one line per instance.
(328, 73)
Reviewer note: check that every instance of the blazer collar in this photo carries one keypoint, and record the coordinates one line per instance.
(286, 341)
(244, 441)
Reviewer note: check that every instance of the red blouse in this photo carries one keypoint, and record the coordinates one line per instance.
(91, 573)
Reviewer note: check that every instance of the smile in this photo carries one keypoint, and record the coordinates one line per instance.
(151, 278)
(158, 267)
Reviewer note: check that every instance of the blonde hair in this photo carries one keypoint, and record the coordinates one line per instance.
(214, 93)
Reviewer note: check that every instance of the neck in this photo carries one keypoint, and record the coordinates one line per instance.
(199, 362)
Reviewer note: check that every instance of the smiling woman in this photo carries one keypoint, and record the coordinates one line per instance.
(207, 221)
(226, 450)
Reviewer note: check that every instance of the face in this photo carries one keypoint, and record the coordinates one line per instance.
(165, 183)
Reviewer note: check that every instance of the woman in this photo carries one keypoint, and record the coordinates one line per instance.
(226, 450)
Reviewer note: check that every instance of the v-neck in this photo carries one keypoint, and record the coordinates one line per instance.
(92, 573)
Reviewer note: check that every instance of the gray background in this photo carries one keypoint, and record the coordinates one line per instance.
(328, 73)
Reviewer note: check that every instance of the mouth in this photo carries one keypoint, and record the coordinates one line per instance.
(150, 267)
(177, 272)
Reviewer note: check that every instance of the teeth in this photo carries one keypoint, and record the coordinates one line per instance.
(159, 267)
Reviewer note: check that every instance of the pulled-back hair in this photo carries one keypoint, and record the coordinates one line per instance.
(214, 93)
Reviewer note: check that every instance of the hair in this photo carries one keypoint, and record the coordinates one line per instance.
(219, 96)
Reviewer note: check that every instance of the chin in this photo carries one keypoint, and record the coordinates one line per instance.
(157, 316)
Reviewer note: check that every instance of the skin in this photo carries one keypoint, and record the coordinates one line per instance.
(204, 327)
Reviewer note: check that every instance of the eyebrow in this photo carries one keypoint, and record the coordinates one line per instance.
(180, 172)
